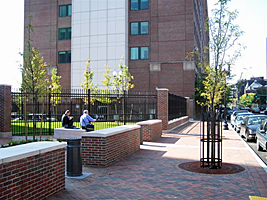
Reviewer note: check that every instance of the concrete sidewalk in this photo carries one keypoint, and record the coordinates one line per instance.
(153, 172)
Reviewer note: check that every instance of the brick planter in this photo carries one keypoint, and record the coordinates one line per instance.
(32, 171)
(151, 129)
(103, 147)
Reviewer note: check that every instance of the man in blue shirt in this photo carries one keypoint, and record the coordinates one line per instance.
(85, 120)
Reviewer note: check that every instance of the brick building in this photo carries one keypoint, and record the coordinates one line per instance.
(153, 35)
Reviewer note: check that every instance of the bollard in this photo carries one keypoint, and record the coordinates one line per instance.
(74, 157)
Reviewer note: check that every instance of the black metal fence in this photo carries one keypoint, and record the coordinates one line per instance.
(177, 106)
(110, 108)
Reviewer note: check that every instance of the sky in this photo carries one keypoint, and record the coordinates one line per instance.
(252, 19)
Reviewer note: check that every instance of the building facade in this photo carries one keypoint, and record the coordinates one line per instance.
(154, 36)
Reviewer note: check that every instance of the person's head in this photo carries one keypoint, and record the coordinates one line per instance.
(85, 112)
(67, 112)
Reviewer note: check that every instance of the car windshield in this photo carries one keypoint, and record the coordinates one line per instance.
(256, 120)
(239, 118)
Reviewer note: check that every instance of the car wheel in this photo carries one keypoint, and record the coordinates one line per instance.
(259, 148)
(246, 139)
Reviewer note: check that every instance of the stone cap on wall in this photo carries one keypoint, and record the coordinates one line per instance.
(18, 152)
(149, 122)
(178, 119)
(110, 131)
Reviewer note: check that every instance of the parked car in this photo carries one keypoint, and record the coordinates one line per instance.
(232, 119)
(261, 136)
(263, 107)
(255, 110)
(264, 112)
(229, 112)
(239, 119)
(249, 126)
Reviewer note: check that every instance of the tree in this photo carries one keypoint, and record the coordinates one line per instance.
(122, 81)
(246, 100)
(34, 79)
(55, 88)
(224, 49)
(88, 82)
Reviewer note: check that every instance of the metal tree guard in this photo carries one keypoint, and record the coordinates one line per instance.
(211, 141)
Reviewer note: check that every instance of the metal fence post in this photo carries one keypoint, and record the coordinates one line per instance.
(88, 103)
(124, 107)
(49, 112)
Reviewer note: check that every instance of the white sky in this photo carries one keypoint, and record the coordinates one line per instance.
(252, 19)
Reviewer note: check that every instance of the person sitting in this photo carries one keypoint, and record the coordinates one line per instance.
(67, 120)
(85, 120)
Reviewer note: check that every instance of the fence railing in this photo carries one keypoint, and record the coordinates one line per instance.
(110, 108)
(177, 106)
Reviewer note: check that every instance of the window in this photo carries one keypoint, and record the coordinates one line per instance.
(139, 53)
(64, 57)
(139, 4)
(143, 28)
(64, 10)
(64, 33)
(134, 28)
(139, 28)
(144, 53)
(134, 53)
(143, 4)
(134, 5)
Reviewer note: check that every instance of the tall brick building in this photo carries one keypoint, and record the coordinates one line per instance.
(153, 35)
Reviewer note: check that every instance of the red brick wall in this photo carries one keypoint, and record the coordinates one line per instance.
(5, 108)
(163, 107)
(151, 132)
(103, 151)
(35, 177)
(171, 35)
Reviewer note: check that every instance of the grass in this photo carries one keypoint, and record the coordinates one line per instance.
(18, 127)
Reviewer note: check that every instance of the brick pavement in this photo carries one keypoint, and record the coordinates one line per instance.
(152, 172)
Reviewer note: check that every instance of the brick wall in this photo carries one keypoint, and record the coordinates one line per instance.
(177, 122)
(103, 151)
(34, 177)
(151, 130)
(163, 107)
(5, 108)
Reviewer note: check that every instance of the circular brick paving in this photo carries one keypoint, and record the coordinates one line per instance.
(227, 168)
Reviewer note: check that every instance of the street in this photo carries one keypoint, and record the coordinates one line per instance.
(261, 154)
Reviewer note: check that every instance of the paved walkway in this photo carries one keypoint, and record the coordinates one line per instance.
(152, 172)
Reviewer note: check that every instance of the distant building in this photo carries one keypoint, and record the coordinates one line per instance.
(154, 37)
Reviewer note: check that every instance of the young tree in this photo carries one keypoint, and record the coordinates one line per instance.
(88, 82)
(122, 81)
(55, 88)
(224, 49)
(34, 79)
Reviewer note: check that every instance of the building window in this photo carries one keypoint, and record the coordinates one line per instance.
(139, 28)
(64, 57)
(139, 53)
(144, 54)
(65, 11)
(64, 33)
(139, 4)
(134, 53)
